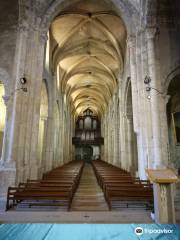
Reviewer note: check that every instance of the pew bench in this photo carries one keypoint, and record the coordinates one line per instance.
(36, 196)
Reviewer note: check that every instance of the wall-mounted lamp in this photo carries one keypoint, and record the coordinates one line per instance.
(147, 81)
(23, 80)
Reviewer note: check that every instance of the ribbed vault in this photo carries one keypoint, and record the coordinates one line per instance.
(88, 47)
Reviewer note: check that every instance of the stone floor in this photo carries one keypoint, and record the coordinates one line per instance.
(124, 216)
(89, 196)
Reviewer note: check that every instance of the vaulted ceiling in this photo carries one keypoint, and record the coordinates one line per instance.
(88, 46)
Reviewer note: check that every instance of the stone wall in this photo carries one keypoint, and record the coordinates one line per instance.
(8, 29)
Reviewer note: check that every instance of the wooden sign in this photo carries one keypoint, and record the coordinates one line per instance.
(162, 175)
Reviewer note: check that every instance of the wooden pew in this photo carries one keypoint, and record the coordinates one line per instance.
(120, 187)
(56, 188)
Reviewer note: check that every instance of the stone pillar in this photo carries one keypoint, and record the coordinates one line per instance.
(131, 43)
(146, 104)
(160, 143)
(41, 164)
(48, 159)
(163, 196)
(116, 137)
(26, 105)
(8, 104)
(7, 169)
(61, 108)
(130, 143)
(122, 136)
(105, 138)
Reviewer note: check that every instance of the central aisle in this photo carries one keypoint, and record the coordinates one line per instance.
(89, 196)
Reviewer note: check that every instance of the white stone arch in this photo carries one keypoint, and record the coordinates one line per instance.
(123, 8)
(172, 106)
(170, 77)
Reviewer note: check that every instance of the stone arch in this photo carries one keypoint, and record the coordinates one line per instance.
(124, 8)
(173, 111)
(170, 77)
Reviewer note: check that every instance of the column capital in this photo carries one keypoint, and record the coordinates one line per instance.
(43, 37)
(131, 41)
(23, 27)
(151, 32)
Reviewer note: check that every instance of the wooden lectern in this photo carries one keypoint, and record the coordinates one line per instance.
(163, 180)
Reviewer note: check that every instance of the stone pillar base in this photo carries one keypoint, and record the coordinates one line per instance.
(7, 179)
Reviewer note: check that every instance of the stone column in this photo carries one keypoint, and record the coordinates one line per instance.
(110, 135)
(26, 105)
(41, 163)
(105, 137)
(146, 121)
(7, 169)
(121, 131)
(131, 43)
(163, 196)
(122, 152)
(8, 104)
(116, 137)
(130, 143)
(159, 142)
(48, 156)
